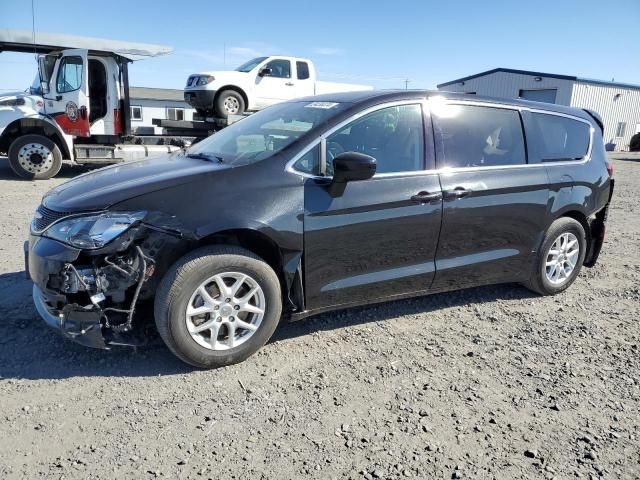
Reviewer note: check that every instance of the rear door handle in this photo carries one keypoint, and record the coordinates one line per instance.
(426, 197)
(456, 193)
(289, 84)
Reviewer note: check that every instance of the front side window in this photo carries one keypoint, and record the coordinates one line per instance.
(303, 70)
(69, 74)
(136, 112)
(267, 132)
(175, 113)
(279, 68)
(477, 136)
(561, 138)
(394, 136)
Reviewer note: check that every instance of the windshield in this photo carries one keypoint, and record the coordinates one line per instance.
(35, 88)
(265, 133)
(250, 65)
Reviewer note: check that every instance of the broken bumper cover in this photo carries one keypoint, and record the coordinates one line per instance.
(76, 323)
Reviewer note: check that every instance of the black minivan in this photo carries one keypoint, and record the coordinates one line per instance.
(320, 204)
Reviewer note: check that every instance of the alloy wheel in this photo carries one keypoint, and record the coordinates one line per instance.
(562, 258)
(231, 105)
(225, 311)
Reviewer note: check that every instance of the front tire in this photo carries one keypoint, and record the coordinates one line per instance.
(217, 306)
(229, 102)
(35, 157)
(560, 258)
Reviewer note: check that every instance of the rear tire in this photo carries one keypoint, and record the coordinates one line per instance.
(35, 157)
(555, 269)
(229, 102)
(228, 331)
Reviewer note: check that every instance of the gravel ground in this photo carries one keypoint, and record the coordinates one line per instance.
(484, 383)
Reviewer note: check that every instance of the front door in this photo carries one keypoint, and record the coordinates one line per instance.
(494, 202)
(67, 101)
(378, 239)
(277, 86)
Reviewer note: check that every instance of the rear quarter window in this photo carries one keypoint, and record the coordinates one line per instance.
(561, 138)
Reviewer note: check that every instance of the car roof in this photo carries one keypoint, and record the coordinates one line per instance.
(373, 97)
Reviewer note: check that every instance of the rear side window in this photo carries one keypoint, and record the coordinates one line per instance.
(561, 138)
(303, 70)
(478, 136)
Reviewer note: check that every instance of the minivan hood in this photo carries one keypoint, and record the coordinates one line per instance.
(108, 186)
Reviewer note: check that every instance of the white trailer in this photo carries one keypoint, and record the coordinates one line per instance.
(77, 108)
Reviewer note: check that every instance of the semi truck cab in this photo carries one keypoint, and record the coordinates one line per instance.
(77, 109)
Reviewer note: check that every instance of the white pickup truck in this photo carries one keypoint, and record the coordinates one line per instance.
(257, 84)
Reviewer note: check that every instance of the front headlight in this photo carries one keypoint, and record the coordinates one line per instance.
(93, 231)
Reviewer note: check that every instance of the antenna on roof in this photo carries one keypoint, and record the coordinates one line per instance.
(33, 27)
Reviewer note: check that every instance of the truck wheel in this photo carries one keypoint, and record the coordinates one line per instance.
(560, 258)
(35, 157)
(217, 306)
(229, 102)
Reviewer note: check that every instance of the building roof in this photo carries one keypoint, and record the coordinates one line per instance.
(539, 74)
(41, 42)
(145, 93)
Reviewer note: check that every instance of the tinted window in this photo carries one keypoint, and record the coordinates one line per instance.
(279, 68)
(393, 136)
(561, 138)
(475, 136)
(136, 112)
(303, 70)
(69, 74)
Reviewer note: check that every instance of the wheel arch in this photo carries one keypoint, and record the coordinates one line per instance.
(235, 88)
(266, 248)
(35, 126)
(580, 217)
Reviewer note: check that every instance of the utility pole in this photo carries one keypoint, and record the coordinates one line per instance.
(406, 84)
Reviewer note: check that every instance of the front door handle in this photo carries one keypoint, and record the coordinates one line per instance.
(289, 84)
(426, 197)
(456, 193)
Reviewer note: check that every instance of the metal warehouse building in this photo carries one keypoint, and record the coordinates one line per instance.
(617, 103)
(163, 103)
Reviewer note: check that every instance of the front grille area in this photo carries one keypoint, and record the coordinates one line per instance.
(45, 217)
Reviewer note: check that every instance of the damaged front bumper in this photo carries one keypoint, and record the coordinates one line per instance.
(80, 325)
(90, 296)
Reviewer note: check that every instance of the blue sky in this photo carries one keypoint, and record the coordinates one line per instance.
(380, 43)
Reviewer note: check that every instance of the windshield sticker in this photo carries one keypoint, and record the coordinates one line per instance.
(325, 105)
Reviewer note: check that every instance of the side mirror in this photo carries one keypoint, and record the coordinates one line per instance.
(265, 72)
(350, 167)
(43, 71)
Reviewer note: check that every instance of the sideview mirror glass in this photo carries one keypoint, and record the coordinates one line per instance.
(265, 72)
(44, 74)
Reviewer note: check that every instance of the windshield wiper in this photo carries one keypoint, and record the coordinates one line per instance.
(204, 156)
